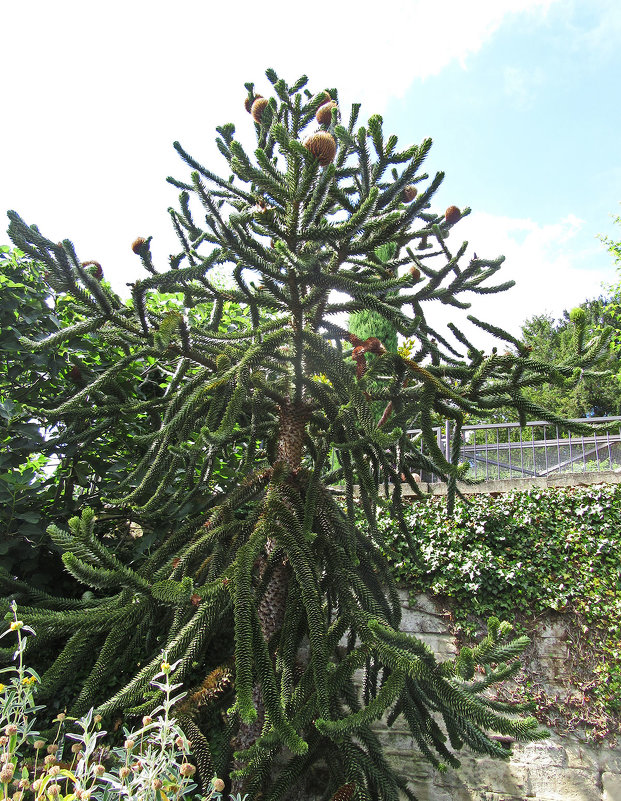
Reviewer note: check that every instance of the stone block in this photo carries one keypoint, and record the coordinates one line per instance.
(562, 784)
(416, 621)
(545, 754)
(442, 645)
(611, 783)
(398, 742)
(422, 602)
(608, 758)
(416, 772)
(552, 631)
(582, 756)
(482, 775)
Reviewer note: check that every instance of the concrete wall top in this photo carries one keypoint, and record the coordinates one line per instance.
(508, 484)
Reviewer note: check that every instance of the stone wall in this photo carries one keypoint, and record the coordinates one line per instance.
(563, 768)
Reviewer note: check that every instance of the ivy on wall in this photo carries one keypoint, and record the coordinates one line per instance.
(519, 555)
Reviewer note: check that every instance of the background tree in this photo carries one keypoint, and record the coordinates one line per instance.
(597, 393)
(614, 306)
(47, 474)
(44, 475)
(266, 590)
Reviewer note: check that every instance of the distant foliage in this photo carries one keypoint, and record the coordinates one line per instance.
(368, 323)
(614, 248)
(555, 340)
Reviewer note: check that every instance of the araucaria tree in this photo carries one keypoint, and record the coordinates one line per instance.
(269, 592)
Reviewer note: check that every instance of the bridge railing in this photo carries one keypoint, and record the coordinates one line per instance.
(508, 450)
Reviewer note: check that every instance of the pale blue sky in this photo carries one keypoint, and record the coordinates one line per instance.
(532, 124)
(521, 98)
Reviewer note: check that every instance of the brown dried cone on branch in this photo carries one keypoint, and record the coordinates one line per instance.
(361, 348)
(213, 685)
(345, 793)
(409, 193)
(249, 101)
(324, 113)
(323, 147)
(138, 245)
(258, 107)
(98, 271)
(452, 215)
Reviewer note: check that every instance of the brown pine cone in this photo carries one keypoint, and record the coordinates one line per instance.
(97, 272)
(249, 101)
(344, 793)
(415, 272)
(138, 244)
(258, 107)
(323, 147)
(409, 193)
(324, 113)
(452, 215)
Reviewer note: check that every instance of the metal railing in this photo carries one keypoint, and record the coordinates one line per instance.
(508, 450)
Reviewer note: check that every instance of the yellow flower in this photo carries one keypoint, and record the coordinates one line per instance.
(16, 625)
(165, 667)
(1, 688)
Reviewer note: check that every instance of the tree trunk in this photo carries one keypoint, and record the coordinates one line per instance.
(272, 605)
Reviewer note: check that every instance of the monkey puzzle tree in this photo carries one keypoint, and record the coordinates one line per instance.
(269, 594)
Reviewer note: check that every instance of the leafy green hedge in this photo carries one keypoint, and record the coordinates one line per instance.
(521, 554)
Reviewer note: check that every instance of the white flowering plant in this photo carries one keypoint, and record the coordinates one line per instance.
(17, 704)
(153, 764)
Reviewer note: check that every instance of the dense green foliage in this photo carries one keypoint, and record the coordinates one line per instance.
(554, 341)
(522, 554)
(369, 323)
(44, 475)
(257, 580)
(48, 474)
(614, 247)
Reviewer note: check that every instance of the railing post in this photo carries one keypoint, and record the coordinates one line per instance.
(447, 446)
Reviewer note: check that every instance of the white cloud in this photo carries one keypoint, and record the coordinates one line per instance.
(549, 263)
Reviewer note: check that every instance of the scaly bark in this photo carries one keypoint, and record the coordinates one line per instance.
(273, 603)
